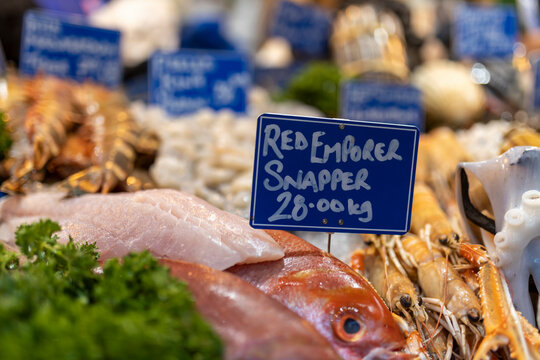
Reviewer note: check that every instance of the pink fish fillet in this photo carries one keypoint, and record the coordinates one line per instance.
(168, 223)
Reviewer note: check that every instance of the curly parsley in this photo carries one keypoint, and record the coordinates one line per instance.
(54, 305)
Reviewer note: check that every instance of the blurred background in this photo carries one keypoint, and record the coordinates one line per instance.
(407, 41)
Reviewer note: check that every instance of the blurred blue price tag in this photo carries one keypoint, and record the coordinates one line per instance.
(71, 6)
(485, 32)
(3, 65)
(388, 103)
(68, 6)
(57, 46)
(333, 175)
(536, 91)
(306, 27)
(186, 81)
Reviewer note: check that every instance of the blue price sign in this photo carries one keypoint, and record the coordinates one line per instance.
(333, 175)
(485, 32)
(388, 103)
(186, 81)
(306, 27)
(54, 45)
(536, 90)
(3, 65)
(70, 6)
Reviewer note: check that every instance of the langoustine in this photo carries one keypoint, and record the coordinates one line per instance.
(237, 310)
(504, 326)
(168, 223)
(338, 302)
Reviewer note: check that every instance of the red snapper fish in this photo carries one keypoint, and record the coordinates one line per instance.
(341, 304)
(251, 324)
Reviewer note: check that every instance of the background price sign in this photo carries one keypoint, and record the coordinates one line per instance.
(306, 27)
(333, 175)
(388, 103)
(536, 89)
(485, 32)
(52, 44)
(3, 65)
(186, 81)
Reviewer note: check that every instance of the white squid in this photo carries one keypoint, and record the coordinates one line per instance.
(512, 183)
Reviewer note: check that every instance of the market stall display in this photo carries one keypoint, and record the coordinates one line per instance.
(436, 168)
(141, 185)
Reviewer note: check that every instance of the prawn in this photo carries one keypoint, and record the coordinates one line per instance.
(426, 211)
(433, 272)
(396, 288)
(446, 291)
(46, 124)
(114, 137)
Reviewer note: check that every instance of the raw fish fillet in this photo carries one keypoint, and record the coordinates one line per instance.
(168, 223)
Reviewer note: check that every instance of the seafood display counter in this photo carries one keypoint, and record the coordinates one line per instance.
(124, 228)
(432, 293)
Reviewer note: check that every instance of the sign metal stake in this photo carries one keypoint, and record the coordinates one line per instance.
(329, 242)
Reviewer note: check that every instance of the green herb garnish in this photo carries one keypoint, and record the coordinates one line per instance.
(54, 305)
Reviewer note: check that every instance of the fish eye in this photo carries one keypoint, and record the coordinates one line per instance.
(351, 326)
(347, 325)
